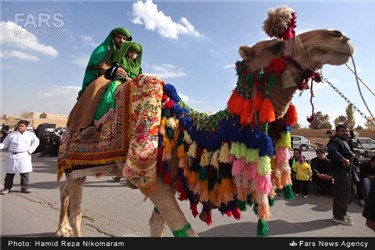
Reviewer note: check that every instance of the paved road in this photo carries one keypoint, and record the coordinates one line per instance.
(112, 210)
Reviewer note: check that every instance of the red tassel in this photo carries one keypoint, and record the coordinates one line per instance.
(208, 218)
(267, 111)
(236, 213)
(182, 196)
(292, 116)
(194, 210)
(229, 213)
(238, 104)
(231, 101)
(278, 66)
(246, 112)
(169, 104)
(311, 118)
(167, 178)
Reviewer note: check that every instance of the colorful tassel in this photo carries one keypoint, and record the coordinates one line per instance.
(262, 228)
(291, 115)
(267, 111)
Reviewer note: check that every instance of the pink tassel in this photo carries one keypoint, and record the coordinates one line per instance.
(238, 167)
(282, 154)
(252, 170)
(264, 184)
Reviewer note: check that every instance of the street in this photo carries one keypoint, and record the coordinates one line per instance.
(110, 209)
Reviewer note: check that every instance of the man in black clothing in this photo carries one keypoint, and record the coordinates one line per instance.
(321, 176)
(296, 155)
(369, 210)
(341, 162)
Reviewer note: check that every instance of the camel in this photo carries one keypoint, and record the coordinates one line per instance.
(309, 51)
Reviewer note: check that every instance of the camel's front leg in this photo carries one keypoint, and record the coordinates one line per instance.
(165, 201)
(75, 198)
(64, 229)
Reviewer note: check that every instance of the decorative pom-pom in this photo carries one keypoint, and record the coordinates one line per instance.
(262, 228)
(267, 111)
(291, 115)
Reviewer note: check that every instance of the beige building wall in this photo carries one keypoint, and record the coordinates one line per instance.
(35, 118)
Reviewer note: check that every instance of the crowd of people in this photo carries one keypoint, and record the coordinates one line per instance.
(336, 172)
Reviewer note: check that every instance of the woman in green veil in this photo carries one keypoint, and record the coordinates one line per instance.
(129, 58)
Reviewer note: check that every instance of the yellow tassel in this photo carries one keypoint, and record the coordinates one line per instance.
(226, 190)
(224, 153)
(167, 150)
(215, 159)
(213, 195)
(187, 138)
(205, 158)
(192, 152)
(171, 123)
(162, 126)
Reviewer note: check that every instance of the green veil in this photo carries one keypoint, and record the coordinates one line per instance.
(100, 55)
(132, 67)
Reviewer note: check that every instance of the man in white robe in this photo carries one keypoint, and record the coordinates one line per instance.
(20, 144)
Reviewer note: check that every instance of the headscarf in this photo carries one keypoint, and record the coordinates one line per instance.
(132, 67)
(99, 54)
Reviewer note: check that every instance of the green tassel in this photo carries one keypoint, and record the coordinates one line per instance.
(249, 200)
(264, 167)
(167, 113)
(203, 173)
(255, 208)
(284, 141)
(260, 76)
(271, 82)
(262, 228)
(182, 232)
(288, 192)
(253, 155)
(170, 132)
(271, 202)
(249, 78)
(241, 205)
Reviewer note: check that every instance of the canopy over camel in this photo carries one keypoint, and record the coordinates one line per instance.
(229, 160)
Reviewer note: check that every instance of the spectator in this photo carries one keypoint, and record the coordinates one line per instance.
(321, 176)
(341, 162)
(296, 155)
(369, 210)
(367, 174)
(21, 144)
(303, 175)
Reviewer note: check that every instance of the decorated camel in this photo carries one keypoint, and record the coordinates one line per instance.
(222, 162)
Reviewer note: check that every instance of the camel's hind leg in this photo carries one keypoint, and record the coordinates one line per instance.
(165, 201)
(64, 229)
(75, 188)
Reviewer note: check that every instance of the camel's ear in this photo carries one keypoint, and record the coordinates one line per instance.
(246, 52)
(276, 48)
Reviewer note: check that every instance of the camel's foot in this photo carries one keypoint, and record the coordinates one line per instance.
(64, 231)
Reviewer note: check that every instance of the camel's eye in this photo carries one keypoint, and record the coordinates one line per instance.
(276, 48)
(337, 33)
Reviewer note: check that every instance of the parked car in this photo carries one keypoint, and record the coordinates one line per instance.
(367, 143)
(300, 142)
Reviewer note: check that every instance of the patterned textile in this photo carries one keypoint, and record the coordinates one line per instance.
(141, 163)
(109, 146)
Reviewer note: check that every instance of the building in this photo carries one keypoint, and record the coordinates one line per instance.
(35, 118)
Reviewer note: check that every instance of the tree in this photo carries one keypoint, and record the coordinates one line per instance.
(320, 121)
(296, 126)
(370, 124)
(349, 115)
(359, 127)
(340, 119)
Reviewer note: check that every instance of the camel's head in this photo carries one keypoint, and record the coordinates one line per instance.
(305, 54)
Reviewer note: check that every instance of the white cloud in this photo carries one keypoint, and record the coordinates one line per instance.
(63, 92)
(229, 66)
(88, 40)
(147, 14)
(15, 35)
(185, 98)
(19, 55)
(167, 71)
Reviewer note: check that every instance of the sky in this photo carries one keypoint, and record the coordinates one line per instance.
(45, 47)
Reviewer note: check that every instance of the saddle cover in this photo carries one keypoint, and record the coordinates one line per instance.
(130, 135)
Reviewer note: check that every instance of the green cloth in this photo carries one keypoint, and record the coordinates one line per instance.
(132, 68)
(99, 53)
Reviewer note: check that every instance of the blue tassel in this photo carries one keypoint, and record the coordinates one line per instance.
(171, 92)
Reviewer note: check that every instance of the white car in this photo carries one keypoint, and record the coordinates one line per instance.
(300, 142)
(367, 143)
